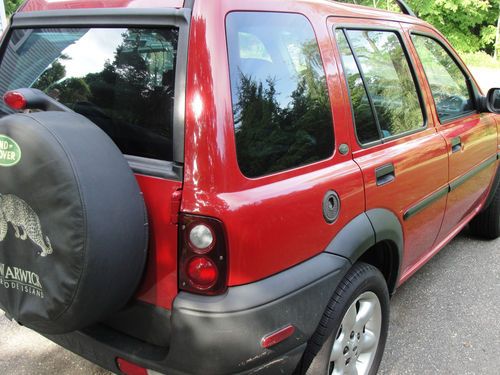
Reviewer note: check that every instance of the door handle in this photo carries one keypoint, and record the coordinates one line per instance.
(456, 145)
(385, 174)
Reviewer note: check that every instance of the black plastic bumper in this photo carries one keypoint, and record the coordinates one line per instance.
(222, 335)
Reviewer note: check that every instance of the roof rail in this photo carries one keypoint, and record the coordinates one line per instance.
(405, 8)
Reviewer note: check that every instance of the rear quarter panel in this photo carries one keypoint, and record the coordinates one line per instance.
(273, 222)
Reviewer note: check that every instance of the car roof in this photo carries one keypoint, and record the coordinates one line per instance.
(41, 5)
(334, 7)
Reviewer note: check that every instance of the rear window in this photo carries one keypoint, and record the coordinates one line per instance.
(122, 79)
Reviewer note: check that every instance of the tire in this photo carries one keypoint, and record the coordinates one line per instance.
(363, 285)
(73, 224)
(487, 223)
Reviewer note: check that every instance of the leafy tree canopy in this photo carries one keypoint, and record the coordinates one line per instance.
(470, 25)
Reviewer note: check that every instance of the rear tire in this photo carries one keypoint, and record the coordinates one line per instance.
(353, 329)
(487, 223)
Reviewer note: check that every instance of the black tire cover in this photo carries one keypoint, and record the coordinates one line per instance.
(73, 225)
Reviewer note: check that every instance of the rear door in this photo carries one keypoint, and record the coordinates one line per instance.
(124, 79)
(471, 137)
(402, 157)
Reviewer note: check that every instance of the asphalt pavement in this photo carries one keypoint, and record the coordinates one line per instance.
(444, 320)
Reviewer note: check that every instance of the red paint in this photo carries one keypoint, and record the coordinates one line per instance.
(159, 286)
(274, 222)
(479, 139)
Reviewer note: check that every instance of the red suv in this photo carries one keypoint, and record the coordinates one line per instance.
(232, 186)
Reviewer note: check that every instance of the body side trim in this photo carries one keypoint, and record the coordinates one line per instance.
(463, 179)
(423, 204)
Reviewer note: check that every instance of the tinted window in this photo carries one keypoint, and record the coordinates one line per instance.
(366, 126)
(387, 76)
(448, 83)
(281, 107)
(121, 79)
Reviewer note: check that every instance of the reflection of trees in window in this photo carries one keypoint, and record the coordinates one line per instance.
(52, 75)
(132, 98)
(447, 81)
(389, 80)
(271, 136)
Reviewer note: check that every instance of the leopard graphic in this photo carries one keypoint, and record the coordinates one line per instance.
(25, 222)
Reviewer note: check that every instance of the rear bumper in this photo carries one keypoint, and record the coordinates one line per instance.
(221, 335)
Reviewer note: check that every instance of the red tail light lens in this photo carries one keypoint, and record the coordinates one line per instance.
(202, 272)
(15, 100)
(203, 255)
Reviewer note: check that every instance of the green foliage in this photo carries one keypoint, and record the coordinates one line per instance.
(12, 5)
(470, 25)
(480, 59)
(56, 72)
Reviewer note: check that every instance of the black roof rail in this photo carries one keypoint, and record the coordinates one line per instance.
(405, 8)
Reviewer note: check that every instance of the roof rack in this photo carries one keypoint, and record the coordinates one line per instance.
(405, 8)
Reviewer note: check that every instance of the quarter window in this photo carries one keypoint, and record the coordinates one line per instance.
(281, 108)
(383, 90)
(448, 83)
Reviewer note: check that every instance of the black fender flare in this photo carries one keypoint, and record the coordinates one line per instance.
(366, 230)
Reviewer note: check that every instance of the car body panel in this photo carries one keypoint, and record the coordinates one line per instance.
(260, 214)
(159, 286)
(479, 138)
(420, 161)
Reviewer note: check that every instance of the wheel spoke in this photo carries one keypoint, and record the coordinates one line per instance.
(366, 309)
(367, 342)
(349, 320)
(338, 348)
(339, 368)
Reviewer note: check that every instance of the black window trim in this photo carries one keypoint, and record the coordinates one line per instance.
(471, 87)
(332, 127)
(129, 17)
(411, 63)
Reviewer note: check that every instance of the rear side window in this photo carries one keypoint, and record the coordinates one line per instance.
(383, 90)
(122, 79)
(447, 81)
(281, 108)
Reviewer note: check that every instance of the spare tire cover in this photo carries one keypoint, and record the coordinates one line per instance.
(73, 225)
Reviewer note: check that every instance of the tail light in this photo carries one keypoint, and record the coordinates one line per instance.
(15, 100)
(203, 255)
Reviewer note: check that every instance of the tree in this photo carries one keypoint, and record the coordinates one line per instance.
(497, 39)
(470, 25)
(11, 6)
